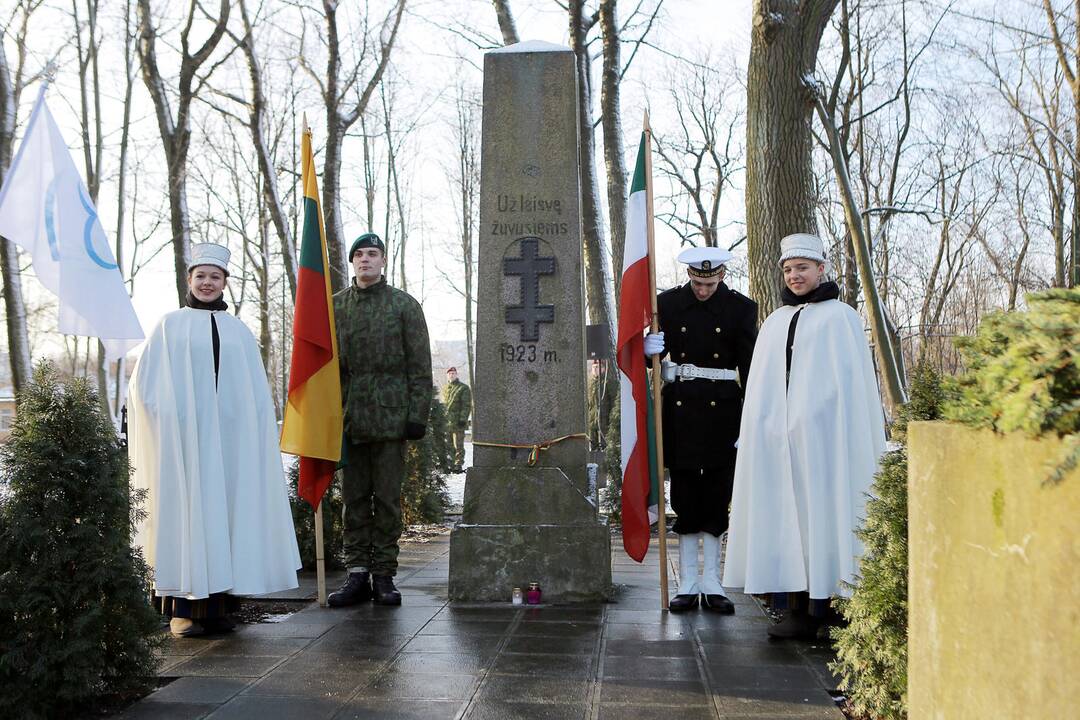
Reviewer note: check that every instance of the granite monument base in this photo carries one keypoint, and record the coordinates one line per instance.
(529, 524)
(572, 563)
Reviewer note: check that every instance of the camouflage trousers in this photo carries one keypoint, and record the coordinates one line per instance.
(457, 437)
(371, 496)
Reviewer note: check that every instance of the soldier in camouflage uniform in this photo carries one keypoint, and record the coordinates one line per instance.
(386, 387)
(458, 400)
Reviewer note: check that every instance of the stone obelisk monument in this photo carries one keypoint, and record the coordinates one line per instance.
(530, 516)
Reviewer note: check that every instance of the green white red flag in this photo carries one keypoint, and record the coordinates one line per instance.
(640, 486)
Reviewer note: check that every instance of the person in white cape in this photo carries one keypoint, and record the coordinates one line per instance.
(811, 435)
(203, 441)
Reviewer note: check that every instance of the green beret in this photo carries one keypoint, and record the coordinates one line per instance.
(367, 240)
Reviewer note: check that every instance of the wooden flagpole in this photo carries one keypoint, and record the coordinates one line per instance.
(320, 555)
(320, 562)
(657, 381)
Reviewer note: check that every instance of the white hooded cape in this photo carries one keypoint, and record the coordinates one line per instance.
(807, 457)
(218, 517)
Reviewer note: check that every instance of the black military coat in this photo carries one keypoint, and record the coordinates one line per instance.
(701, 417)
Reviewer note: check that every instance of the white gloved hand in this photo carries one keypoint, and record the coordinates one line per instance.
(654, 344)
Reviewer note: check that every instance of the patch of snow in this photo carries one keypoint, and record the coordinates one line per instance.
(531, 46)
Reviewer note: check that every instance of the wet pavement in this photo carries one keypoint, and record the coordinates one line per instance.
(434, 659)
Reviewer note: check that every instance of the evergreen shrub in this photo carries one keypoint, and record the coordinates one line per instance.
(424, 497)
(872, 648)
(612, 503)
(77, 630)
(1023, 373)
(304, 521)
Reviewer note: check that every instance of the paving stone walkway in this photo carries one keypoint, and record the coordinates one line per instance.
(431, 659)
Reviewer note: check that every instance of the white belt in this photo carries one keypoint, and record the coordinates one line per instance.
(670, 371)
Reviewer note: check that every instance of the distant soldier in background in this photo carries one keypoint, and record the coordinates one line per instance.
(458, 400)
(386, 389)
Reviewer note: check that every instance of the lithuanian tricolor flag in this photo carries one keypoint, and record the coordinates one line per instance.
(313, 415)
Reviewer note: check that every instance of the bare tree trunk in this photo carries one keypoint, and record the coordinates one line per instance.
(262, 274)
(93, 148)
(369, 174)
(597, 282)
(779, 176)
(1071, 70)
(393, 185)
(339, 119)
(506, 22)
(851, 272)
(468, 182)
(1059, 232)
(1073, 276)
(610, 122)
(891, 371)
(17, 337)
(332, 206)
(121, 184)
(257, 125)
(176, 131)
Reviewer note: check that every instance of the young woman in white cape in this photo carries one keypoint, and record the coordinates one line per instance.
(204, 445)
(811, 435)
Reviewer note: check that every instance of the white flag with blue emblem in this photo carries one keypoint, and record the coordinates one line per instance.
(46, 210)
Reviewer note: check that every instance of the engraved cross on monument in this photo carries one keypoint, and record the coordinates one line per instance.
(528, 521)
(530, 266)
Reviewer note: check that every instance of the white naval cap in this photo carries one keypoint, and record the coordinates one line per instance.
(802, 245)
(209, 254)
(705, 261)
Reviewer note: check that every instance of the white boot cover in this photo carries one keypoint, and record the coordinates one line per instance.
(688, 564)
(710, 569)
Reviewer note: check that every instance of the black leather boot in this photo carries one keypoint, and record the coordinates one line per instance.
(682, 603)
(357, 589)
(796, 625)
(385, 592)
(718, 604)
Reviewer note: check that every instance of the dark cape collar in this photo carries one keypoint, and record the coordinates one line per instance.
(828, 290)
(196, 304)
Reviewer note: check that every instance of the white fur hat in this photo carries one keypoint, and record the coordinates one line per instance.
(209, 254)
(802, 245)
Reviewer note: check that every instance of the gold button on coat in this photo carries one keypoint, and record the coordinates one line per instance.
(678, 402)
(717, 329)
(713, 403)
(682, 329)
(682, 355)
(716, 355)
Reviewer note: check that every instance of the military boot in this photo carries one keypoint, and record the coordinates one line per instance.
(712, 592)
(185, 627)
(796, 625)
(357, 589)
(385, 592)
(689, 585)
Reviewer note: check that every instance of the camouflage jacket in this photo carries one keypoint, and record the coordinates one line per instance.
(458, 400)
(385, 361)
